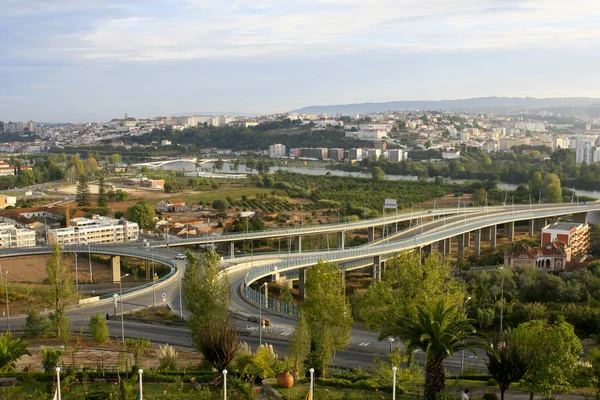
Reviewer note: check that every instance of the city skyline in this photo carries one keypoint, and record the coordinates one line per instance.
(75, 61)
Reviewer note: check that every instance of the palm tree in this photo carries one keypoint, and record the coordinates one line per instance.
(10, 351)
(439, 331)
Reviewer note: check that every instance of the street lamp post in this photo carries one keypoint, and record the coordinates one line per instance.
(121, 298)
(312, 382)
(153, 280)
(462, 355)
(260, 315)
(76, 276)
(141, 392)
(224, 384)
(501, 298)
(90, 258)
(180, 297)
(394, 369)
(7, 307)
(391, 341)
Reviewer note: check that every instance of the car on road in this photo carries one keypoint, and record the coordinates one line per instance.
(254, 318)
(180, 256)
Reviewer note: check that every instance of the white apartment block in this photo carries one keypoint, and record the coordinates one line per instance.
(11, 237)
(367, 135)
(95, 230)
(369, 153)
(277, 150)
(586, 152)
(397, 155)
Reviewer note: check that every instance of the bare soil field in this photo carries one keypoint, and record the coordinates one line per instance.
(32, 269)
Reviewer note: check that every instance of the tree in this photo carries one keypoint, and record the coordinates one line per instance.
(550, 352)
(505, 363)
(377, 174)
(299, 345)
(102, 196)
(535, 184)
(327, 312)
(137, 347)
(51, 357)
(62, 286)
(121, 195)
(83, 196)
(36, 325)
(90, 165)
(408, 281)
(220, 204)
(98, 329)
(206, 295)
(479, 196)
(219, 164)
(114, 159)
(142, 213)
(439, 331)
(11, 349)
(552, 190)
(587, 377)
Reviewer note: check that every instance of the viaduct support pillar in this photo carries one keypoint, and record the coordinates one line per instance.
(540, 223)
(477, 242)
(115, 262)
(301, 282)
(371, 234)
(448, 246)
(341, 236)
(232, 249)
(531, 227)
(493, 231)
(580, 217)
(510, 230)
(147, 268)
(377, 268)
(461, 246)
(298, 244)
(468, 239)
(442, 246)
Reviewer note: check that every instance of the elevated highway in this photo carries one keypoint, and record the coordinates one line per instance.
(242, 272)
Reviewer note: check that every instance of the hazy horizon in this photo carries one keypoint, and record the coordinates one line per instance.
(92, 60)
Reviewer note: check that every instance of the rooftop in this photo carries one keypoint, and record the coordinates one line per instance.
(563, 226)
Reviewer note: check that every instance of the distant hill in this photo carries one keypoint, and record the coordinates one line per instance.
(479, 104)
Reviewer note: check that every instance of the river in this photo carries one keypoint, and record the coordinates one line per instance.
(228, 168)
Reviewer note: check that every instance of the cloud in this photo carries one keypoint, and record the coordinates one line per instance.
(145, 31)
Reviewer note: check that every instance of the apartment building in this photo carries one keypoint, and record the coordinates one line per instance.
(277, 150)
(575, 235)
(95, 230)
(11, 237)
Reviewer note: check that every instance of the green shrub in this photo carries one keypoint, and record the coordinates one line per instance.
(51, 357)
(489, 396)
(98, 396)
(491, 382)
(98, 329)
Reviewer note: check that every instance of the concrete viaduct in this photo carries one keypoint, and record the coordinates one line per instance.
(471, 228)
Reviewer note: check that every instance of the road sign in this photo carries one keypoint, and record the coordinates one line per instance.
(164, 295)
(390, 203)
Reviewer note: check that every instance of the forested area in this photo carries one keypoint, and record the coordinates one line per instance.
(511, 167)
(259, 137)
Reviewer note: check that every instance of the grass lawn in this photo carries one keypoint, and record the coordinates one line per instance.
(300, 390)
(235, 191)
(78, 391)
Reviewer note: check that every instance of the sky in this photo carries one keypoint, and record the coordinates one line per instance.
(94, 60)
